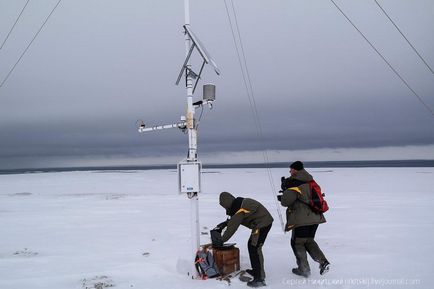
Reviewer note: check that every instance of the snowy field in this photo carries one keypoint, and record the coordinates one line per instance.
(130, 229)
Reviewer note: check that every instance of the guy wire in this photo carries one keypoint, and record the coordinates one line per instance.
(250, 95)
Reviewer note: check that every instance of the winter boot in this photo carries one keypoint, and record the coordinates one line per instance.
(256, 283)
(324, 267)
(299, 272)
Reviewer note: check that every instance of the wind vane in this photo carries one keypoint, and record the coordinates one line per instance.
(190, 169)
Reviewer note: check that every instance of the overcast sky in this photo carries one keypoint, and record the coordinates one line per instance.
(98, 66)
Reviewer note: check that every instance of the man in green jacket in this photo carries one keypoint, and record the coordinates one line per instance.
(302, 220)
(253, 215)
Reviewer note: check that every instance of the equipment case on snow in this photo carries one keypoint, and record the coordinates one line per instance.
(227, 259)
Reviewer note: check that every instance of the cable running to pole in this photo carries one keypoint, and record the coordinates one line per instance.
(30, 43)
(254, 107)
(385, 60)
(240, 63)
(406, 39)
(15, 23)
(259, 126)
(249, 90)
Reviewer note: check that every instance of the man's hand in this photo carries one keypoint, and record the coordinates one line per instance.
(219, 228)
(283, 185)
(223, 224)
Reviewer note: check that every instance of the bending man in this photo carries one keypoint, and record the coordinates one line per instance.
(253, 215)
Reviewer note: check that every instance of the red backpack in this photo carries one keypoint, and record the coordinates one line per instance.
(317, 202)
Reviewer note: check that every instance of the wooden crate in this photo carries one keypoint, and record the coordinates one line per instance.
(227, 259)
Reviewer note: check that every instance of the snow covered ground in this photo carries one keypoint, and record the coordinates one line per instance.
(130, 229)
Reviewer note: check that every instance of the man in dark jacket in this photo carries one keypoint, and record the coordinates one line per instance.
(253, 215)
(302, 220)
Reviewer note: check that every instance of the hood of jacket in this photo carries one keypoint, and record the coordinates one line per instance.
(303, 176)
(226, 200)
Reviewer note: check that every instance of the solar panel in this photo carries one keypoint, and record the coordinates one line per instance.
(201, 48)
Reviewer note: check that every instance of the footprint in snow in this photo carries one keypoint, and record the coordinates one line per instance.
(97, 282)
(25, 253)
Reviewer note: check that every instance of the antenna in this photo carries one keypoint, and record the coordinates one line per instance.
(190, 169)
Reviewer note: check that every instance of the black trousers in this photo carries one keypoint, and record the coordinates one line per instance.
(305, 231)
(254, 245)
(303, 243)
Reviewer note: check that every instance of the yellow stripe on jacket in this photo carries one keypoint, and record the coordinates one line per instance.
(296, 189)
(242, 211)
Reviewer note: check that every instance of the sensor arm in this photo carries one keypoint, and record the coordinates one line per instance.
(202, 102)
(180, 125)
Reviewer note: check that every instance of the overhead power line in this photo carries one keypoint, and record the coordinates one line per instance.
(30, 43)
(385, 60)
(406, 39)
(249, 90)
(15, 23)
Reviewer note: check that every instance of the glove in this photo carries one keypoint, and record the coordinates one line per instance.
(223, 224)
(283, 185)
(219, 228)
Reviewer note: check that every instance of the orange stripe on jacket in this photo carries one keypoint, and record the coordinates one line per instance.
(242, 211)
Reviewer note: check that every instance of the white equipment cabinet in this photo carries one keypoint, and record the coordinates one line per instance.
(189, 177)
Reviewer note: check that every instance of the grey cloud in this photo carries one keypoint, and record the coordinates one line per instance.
(99, 66)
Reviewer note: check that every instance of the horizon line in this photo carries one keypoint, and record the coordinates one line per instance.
(308, 164)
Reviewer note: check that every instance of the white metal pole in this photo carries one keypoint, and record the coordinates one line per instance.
(192, 146)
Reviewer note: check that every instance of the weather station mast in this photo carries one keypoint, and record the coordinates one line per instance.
(190, 169)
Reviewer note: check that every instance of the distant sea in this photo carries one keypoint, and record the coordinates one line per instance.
(318, 164)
